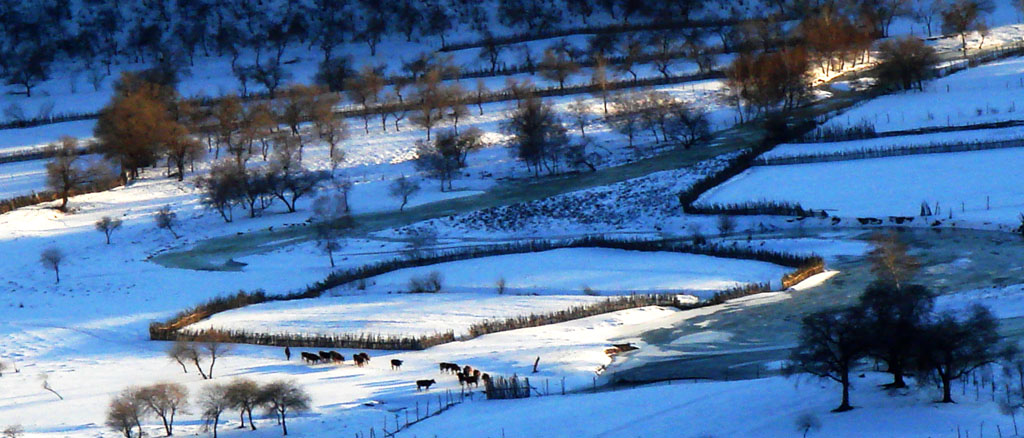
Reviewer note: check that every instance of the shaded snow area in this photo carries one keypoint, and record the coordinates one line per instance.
(645, 203)
(962, 184)
(989, 93)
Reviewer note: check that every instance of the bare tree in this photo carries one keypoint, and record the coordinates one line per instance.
(579, 110)
(213, 402)
(107, 225)
(13, 431)
(51, 258)
(125, 413)
(830, 344)
(214, 344)
(556, 66)
(628, 115)
(957, 343)
(962, 17)
(726, 224)
(165, 400)
(402, 188)
(181, 352)
(244, 395)
(331, 215)
(166, 219)
(281, 397)
(806, 423)
(890, 259)
(63, 174)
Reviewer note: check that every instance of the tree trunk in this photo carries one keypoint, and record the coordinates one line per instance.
(947, 393)
(845, 406)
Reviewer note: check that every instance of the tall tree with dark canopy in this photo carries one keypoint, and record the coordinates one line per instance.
(955, 344)
(831, 342)
(536, 131)
(895, 319)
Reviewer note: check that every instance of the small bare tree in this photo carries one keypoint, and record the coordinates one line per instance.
(726, 224)
(890, 259)
(165, 400)
(213, 401)
(166, 219)
(244, 395)
(281, 397)
(403, 188)
(214, 344)
(807, 423)
(45, 384)
(125, 413)
(581, 115)
(182, 353)
(13, 431)
(64, 175)
(51, 258)
(107, 225)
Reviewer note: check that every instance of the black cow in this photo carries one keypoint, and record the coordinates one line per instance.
(325, 356)
(337, 357)
(424, 384)
(396, 364)
(471, 380)
(448, 367)
(310, 358)
(360, 359)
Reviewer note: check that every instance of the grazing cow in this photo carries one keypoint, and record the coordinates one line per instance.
(462, 377)
(325, 356)
(472, 380)
(448, 367)
(366, 357)
(361, 359)
(310, 358)
(467, 370)
(443, 366)
(337, 357)
(424, 384)
(396, 364)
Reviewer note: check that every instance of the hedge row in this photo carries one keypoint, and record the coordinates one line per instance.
(895, 151)
(347, 341)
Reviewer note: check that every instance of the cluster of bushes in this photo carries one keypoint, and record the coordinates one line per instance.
(764, 207)
(827, 133)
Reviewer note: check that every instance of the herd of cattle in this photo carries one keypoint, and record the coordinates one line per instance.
(467, 375)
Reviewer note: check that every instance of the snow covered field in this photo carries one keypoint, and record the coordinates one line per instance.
(989, 93)
(470, 295)
(22, 178)
(766, 408)
(891, 186)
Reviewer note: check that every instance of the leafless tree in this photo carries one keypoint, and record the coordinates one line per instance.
(331, 216)
(890, 259)
(182, 352)
(165, 400)
(244, 395)
(807, 423)
(64, 175)
(107, 225)
(214, 344)
(166, 219)
(125, 413)
(402, 188)
(13, 431)
(281, 397)
(213, 401)
(51, 258)
(580, 112)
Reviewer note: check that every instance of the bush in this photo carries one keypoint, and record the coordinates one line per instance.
(430, 283)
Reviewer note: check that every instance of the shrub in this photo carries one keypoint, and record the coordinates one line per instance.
(430, 283)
